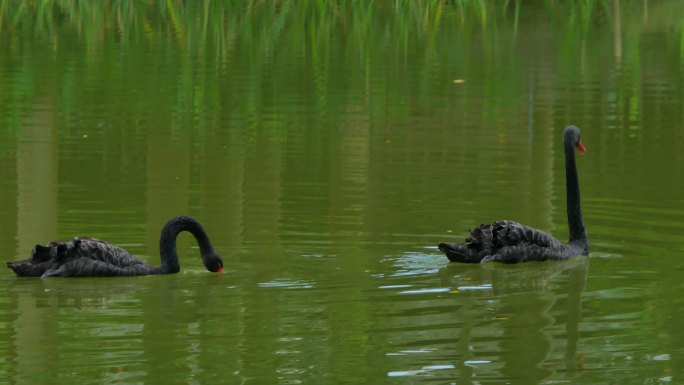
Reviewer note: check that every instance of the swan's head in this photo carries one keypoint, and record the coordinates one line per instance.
(213, 262)
(571, 135)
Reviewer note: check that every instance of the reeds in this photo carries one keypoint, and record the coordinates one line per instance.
(253, 40)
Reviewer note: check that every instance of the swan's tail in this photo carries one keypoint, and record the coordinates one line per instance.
(27, 269)
(43, 258)
(458, 252)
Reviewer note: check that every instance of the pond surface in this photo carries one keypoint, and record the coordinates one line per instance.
(327, 148)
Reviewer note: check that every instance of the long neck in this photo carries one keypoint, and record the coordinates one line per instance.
(167, 243)
(575, 219)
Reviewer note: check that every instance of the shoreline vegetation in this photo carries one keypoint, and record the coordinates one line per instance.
(52, 47)
(220, 23)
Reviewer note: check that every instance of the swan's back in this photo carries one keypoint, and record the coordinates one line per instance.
(80, 257)
(509, 233)
(504, 241)
(95, 249)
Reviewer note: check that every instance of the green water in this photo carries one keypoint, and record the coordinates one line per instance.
(327, 148)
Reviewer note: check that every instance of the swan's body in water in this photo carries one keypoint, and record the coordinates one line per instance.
(512, 242)
(89, 257)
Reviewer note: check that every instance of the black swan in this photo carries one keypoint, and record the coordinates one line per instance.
(511, 242)
(89, 257)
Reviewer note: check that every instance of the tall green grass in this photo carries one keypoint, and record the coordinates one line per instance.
(362, 40)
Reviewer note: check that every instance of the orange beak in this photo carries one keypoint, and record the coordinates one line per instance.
(580, 147)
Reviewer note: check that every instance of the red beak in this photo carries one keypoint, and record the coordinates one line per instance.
(220, 270)
(580, 147)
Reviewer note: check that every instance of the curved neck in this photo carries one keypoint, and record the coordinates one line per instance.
(167, 243)
(575, 219)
